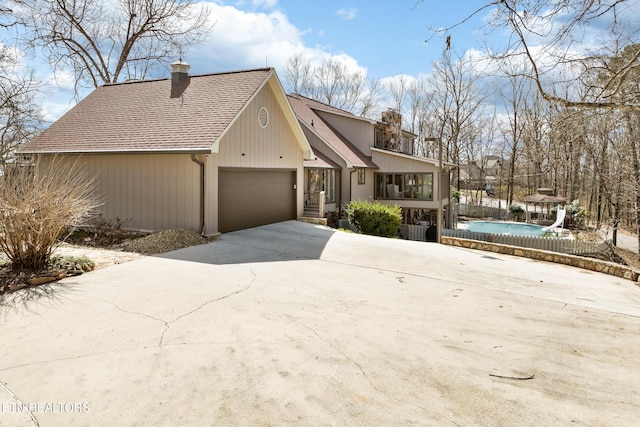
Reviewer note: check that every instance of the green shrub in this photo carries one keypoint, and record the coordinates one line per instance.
(577, 214)
(455, 194)
(374, 218)
(70, 262)
(516, 211)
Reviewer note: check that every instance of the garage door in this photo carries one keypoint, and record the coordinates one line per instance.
(249, 198)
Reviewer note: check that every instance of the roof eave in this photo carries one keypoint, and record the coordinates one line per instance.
(412, 157)
(348, 164)
(123, 151)
(347, 115)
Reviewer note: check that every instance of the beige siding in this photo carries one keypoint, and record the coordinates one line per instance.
(365, 191)
(359, 132)
(247, 145)
(391, 163)
(147, 191)
(388, 162)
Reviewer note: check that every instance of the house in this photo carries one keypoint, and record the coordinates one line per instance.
(482, 174)
(210, 153)
(363, 159)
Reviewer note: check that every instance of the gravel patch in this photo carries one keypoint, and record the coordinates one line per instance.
(164, 241)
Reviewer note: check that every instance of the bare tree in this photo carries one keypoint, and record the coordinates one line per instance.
(333, 83)
(568, 35)
(515, 94)
(6, 15)
(398, 88)
(108, 41)
(458, 105)
(298, 74)
(19, 114)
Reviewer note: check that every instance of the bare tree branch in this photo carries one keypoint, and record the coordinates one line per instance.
(19, 114)
(107, 41)
(556, 31)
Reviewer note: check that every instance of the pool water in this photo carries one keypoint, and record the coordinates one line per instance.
(514, 228)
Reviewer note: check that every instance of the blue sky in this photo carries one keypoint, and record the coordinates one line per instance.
(387, 38)
(379, 37)
(382, 38)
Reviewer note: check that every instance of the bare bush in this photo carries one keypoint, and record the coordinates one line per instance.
(38, 203)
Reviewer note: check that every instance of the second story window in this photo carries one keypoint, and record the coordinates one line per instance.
(379, 138)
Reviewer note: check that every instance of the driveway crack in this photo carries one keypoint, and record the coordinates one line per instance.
(135, 312)
(22, 404)
(204, 304)
(342, 353)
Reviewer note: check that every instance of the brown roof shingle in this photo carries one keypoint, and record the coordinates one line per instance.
(304, 109)
(147, 116)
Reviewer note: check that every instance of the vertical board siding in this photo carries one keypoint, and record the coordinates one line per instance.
(362, 192)
(273, 147)
(147, 191)
(359, 133)
(262, 147)
(392, 163)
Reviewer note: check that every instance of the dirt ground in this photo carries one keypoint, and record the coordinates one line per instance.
(98, 250)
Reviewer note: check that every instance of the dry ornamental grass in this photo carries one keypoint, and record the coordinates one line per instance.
(37, 204)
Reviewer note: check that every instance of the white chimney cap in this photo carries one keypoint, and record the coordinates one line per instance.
(180, 67)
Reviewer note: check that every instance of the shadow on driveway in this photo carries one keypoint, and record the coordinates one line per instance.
(284, 241)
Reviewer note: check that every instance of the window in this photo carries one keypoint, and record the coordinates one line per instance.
(361, 176)
(404, 186)
(330, 185)
(379, 137)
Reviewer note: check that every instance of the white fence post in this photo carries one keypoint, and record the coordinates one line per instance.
(321, 201)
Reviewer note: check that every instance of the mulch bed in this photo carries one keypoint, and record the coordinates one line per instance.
(12, 280)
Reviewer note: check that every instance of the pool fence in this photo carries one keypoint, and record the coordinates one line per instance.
(480, 211)
(553, 244)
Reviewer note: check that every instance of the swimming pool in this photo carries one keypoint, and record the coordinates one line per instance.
(514, 228)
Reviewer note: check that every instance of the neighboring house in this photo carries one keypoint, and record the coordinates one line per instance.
(362, 159)
(481, 174)
(210, 153)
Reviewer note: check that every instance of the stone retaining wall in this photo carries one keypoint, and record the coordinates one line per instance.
(572, 260)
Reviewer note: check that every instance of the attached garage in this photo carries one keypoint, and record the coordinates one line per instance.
(253, 197)
(210, 153)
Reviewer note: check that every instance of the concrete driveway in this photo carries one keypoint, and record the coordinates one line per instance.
(296, 324)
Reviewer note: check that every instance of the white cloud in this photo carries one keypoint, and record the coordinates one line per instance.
(52, 111)
(14, 62)
(266, 4)
(348, 14)
(244, 40)
(62, 79)
(263, 4)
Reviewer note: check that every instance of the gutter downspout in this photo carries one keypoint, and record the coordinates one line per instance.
(202, 181)
(351, 183)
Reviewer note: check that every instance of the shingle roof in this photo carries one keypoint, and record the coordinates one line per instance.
(321, 162)
(304, 109)
(149, 116)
